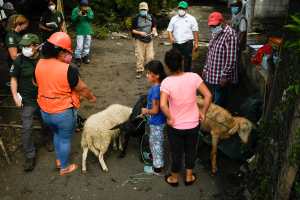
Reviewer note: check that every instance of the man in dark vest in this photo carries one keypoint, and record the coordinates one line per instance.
(143, 30)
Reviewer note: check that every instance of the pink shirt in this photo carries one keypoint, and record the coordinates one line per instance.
(182, 99)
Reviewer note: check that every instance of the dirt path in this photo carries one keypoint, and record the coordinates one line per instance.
(111, 76)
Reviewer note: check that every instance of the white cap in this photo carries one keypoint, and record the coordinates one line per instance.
(143, 6)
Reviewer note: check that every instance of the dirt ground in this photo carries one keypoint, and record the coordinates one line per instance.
(111, 76)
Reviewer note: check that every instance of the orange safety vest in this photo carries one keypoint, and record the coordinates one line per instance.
(54, 92)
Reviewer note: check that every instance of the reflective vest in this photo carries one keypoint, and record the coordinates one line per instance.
(54, 92)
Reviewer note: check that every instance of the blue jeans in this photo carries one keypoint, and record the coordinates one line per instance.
(63, 126)
(83, 45)
(220, 94)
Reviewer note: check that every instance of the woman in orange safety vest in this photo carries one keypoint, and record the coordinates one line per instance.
(59, 87)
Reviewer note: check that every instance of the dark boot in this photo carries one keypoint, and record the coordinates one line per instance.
(78, 61)
(29, 164)
(86, 59)
(49, 146)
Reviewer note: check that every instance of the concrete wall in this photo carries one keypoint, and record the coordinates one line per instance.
(270, 8)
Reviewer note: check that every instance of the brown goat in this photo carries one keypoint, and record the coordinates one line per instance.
(222, 125)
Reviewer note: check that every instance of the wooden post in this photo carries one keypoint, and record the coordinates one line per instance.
(60, 8)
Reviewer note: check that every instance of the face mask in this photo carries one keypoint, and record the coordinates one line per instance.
(235, 10)
(27, 51)
(181, 12)
(68, 58)
(216, 30)
(52, 7)
(143, 13)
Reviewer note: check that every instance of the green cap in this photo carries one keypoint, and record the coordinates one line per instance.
(29, 39)
(183, 4)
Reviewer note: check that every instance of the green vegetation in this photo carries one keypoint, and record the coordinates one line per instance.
(116, 15)
(294, 27)
(275, 129)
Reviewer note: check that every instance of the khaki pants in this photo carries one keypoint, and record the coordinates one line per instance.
(144, 52)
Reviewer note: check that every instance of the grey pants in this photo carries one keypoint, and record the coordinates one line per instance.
(27, 113)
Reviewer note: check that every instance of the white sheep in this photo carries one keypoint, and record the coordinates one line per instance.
(99, 131)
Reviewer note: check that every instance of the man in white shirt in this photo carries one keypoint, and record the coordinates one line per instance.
(183, 34)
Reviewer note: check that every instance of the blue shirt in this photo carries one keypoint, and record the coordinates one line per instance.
(154, 94)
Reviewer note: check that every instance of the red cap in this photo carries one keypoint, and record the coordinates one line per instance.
(215, 18)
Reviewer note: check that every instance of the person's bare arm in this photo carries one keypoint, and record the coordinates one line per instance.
(171, 37)
(207, 100)
(42, 27)
(164, 106)
(84, 91)
(141, 33)
(13, 52)
(14, 91)
(154, 110)
(196, 40)
(154, 31)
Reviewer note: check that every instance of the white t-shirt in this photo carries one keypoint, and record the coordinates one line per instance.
(183, 28)
(2, 13)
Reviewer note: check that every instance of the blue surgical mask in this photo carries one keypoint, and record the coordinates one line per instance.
(216, 30)
(143, 13)
(235, 10)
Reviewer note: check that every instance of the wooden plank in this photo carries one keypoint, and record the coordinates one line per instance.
(18, 126)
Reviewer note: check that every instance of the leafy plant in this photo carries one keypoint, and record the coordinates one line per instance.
(101, 32)
(294, 27)
(117, 11)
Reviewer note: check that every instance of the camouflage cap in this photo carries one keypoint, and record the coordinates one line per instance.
(29, 39)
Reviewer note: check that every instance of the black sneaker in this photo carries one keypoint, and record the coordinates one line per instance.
(86, 60)
(29, 164)
(78, 61)
(138, 75)
(158, 171)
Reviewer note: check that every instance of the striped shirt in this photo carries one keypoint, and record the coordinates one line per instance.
(221, 57)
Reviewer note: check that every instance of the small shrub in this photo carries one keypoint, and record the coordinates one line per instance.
(101, 32)
(128, 23)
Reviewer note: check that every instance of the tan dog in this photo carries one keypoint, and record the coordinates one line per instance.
(222, 125)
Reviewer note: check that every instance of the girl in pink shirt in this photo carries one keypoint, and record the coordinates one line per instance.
(179, 104)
